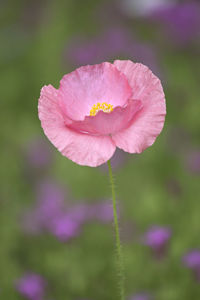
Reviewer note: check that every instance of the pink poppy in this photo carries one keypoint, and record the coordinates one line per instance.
(98, 108)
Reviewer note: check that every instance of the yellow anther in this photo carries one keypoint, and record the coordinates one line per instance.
(105, 107)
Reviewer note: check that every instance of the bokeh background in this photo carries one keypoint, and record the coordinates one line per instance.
(56, 235)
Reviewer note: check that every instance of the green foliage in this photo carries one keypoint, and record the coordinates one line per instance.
(31, 56)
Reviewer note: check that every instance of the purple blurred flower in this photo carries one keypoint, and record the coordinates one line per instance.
(51, 214)
(65, 228)
(101, 212)
(50, 205)
(193, 161)
(31, 286)
(192, 261)
(69, 224)
(182, 20)
(79, 212)
(51, 198)
(157, 239)
(104, 212)
(38, 154)
(113, 43)
(141, 296)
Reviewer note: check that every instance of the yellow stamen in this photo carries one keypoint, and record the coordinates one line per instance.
(107, 108)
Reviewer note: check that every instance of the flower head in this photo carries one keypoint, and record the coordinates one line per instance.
(98, 108)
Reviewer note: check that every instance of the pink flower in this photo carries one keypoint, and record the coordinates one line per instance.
(98, 108)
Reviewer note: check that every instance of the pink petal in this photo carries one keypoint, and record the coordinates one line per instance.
(87, 85)
(81, 148)
(149, 121)
(108, 123)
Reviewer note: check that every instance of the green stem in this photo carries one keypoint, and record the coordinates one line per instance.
(120, 264)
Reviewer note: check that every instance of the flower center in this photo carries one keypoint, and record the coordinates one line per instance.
(105, 107)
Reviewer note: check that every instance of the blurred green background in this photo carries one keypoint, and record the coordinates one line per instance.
(40, 42)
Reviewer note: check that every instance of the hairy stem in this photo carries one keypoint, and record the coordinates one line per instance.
(120, 264)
